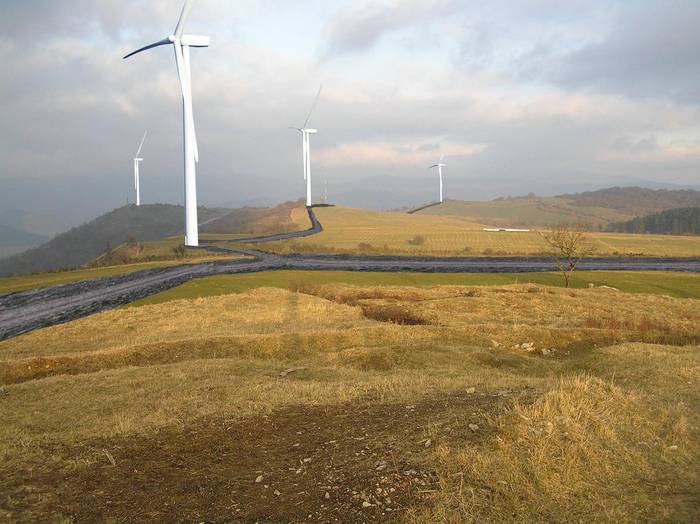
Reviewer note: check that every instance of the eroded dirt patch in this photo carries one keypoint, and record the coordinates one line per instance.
(360, 462)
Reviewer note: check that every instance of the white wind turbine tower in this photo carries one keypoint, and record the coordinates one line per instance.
(440, 165)
(137, 161)
(182, 43)
(306, 133)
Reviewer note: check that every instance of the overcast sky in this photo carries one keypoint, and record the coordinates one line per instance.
(532, 94)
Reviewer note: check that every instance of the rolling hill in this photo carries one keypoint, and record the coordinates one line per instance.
(361, 231)
(255, 220)
(592, 209)
(83, 243)
(683, 221)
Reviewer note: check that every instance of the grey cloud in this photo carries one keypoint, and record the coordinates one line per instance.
(70, 125)
(361, 29)
(651, 50)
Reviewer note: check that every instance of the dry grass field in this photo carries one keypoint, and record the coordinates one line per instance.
(365, 403)
(529, 211)
(348, 230)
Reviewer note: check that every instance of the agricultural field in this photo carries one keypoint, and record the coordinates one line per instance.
(529, 212)
(316, 399)
(359, 231)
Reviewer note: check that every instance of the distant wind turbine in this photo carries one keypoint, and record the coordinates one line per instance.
(137, 161)
(182, 44)
(306, 147)
(440, 165)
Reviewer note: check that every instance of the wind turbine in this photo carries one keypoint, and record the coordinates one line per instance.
(440, 165)
(182, 43)
(306, 133)
(137, 161)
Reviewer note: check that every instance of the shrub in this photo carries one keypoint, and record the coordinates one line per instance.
(417, 240)
(180, 251)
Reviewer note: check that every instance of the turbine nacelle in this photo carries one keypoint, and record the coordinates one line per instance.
(191, 40)
(309, 131)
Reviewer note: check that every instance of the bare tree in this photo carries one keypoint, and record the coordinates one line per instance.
(570, 245)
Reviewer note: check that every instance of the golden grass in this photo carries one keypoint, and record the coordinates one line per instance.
(546, 318)
(587, 450)
(597, 443)
(348, 230)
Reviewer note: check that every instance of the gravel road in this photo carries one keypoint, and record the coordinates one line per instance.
(29, 310)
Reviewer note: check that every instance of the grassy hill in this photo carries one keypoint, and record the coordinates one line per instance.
(360, 231)
(358, 403)
(683, 221)
(254, 221)
(637, 200)
(594, 209)
(82, 244)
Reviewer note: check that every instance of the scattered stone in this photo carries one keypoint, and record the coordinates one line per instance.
(474, 427)
(672, 448)
(528, 346)
(428, 443)
(496, 344)
(471, 391)
(327, 495)
(111, 458)
(290, 370)
(608, 287)
(258, 479)
(410, 472)
(277, 493)
(366, 504)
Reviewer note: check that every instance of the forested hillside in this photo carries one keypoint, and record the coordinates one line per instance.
(684, 221)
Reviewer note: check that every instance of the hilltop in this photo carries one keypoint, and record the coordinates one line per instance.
(593, 209)
(255, 220)
(81, 244)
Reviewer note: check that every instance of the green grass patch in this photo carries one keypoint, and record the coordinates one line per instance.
(682, 285)
(25, 282)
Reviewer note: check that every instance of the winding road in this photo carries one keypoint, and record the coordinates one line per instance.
(29, 310)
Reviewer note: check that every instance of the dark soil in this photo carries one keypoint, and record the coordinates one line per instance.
(361, 462)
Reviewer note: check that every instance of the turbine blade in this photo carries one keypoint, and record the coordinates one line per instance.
(165, 41)
(138, 153)
(433, 166)
(313, 106)
(184, 14)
